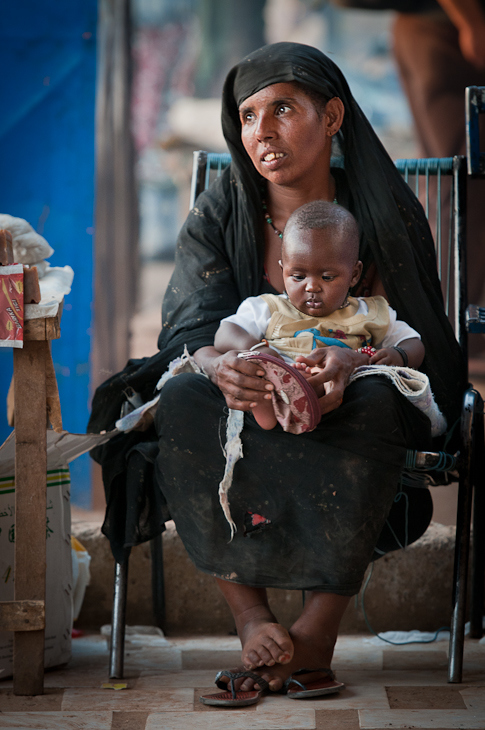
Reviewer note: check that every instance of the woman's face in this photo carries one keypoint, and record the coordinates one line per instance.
(283, 134)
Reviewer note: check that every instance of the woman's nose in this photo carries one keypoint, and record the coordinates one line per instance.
(264, 128)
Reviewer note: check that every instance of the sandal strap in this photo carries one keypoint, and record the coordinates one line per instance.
(263, 684)
(292, 680)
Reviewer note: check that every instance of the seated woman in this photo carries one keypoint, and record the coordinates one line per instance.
(310, 510)
(320, 265)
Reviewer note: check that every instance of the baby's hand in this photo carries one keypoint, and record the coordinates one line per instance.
(386, 356)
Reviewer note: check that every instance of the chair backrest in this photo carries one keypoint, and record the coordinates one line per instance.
(440, 184)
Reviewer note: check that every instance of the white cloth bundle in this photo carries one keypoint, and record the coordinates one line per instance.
(413, 385)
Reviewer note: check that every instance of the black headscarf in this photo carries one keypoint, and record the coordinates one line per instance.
(395, 232)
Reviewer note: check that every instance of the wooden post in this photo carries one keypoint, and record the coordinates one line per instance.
(30, 507)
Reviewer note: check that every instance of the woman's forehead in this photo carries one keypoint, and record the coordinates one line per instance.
(272, 92)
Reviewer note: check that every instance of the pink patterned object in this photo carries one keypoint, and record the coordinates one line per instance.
(295, 402)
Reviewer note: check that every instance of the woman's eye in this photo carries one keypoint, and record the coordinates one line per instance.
(282, 109)
(248, 117)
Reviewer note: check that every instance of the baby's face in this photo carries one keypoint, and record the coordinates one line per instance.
(318, 270)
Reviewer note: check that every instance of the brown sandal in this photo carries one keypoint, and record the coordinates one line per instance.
(233, 697)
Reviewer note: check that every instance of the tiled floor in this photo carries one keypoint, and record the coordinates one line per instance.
(387, 687)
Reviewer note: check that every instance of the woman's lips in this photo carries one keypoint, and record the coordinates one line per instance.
(272, 159)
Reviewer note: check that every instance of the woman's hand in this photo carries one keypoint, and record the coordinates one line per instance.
(332, 368)
(241, 381)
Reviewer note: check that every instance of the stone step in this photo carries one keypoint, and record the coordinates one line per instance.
(409, 589)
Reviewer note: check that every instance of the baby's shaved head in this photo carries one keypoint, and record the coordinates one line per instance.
(320, 214)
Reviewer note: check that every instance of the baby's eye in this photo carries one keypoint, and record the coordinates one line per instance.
(297, 277)
(328, 277)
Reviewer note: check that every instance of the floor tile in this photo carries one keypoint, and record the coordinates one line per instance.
(425, 698)
(71, 677)
(163, 659)
(390, 678)
(222, 642)
(129, 720)
(474, 698)
(351, 652)
(50, 701)
(170, 700)
(56, 720)
(163, 680)
(337, 720)
(429, 719)
(418, 660)
(303, 719)
(201, 659)
(351, 698)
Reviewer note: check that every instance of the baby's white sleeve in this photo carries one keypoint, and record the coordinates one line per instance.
(253, 316)
(397, 332)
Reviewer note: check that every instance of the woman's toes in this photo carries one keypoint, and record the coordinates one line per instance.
(275, 683)
(258, 658)
(284, 658)
(252, 660)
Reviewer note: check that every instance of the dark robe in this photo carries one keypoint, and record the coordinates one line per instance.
(219, 262)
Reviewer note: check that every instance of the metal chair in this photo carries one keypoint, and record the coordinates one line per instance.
(429, 176)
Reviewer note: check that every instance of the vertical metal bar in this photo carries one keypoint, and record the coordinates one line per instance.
(478, 539)
(438, 223)
(158, 583)
(459, 248)
(473, 107)
(118, 620)
(198, 176)
(427, 189)
(462, 542)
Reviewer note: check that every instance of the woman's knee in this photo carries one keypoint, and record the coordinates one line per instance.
(182, 396)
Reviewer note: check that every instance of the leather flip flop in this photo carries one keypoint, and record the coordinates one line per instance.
(295, 402)
(327, 685)
(233, 697)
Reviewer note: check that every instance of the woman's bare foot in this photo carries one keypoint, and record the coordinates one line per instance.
(307, 654)
(265, 644)
(313, 636)
(264, 641)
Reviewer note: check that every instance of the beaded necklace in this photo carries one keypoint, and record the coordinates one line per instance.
(269, 220)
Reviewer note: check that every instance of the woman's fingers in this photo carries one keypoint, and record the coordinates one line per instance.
(241, 382)
(331, 400)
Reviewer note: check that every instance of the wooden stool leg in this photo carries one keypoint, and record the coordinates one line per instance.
(30, 507)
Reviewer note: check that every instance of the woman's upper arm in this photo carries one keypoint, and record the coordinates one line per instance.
(202, 289)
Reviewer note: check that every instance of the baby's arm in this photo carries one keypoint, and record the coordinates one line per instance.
(413, 348)
(231, 336)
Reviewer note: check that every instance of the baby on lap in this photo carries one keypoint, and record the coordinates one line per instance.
(319, 258)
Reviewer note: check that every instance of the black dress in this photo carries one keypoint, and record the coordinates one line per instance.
(324, 497)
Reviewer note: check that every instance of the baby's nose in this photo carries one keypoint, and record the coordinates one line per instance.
(313, 285)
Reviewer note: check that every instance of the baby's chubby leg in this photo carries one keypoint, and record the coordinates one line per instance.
(265, 415)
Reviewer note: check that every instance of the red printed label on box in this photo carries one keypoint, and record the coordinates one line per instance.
(12, 305)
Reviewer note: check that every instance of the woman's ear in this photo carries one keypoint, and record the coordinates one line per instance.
(356, 273)
(334, 115)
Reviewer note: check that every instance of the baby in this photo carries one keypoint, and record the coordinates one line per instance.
(319, 258)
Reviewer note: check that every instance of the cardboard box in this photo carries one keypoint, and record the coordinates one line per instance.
(58, 568)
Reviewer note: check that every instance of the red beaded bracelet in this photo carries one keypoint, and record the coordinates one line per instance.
(367, 350)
